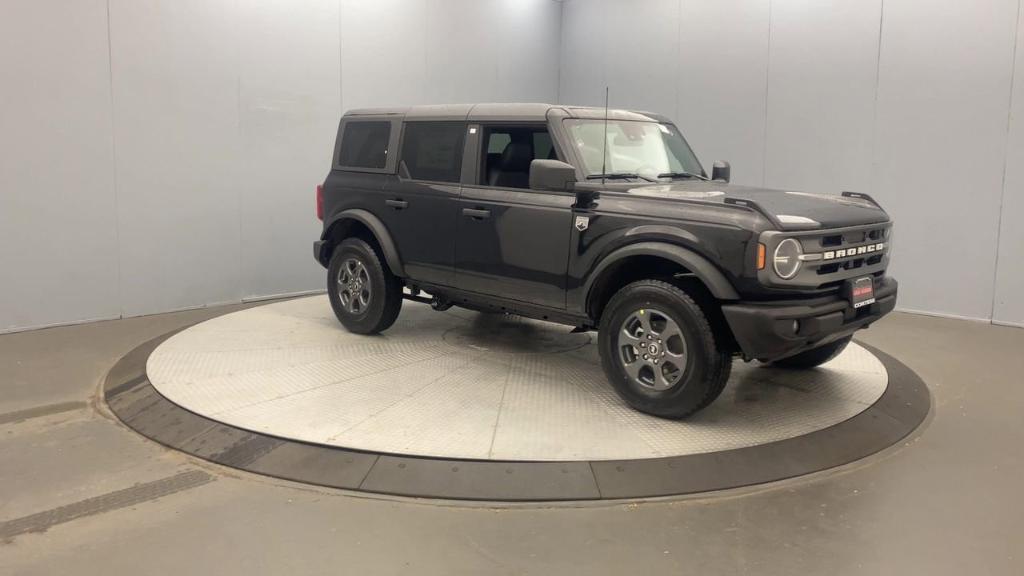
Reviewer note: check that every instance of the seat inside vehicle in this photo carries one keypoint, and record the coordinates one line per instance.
(510, 150)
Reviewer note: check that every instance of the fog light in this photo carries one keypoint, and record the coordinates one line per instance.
(796, 326)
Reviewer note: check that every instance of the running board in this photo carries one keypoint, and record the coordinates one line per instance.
(415, 298)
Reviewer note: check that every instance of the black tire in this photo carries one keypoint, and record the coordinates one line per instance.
(379, 308)
(706, 367)
(814, 356)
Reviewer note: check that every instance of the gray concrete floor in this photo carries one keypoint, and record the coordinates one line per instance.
(81, 494)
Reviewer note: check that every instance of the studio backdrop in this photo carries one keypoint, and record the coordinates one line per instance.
(157, 155)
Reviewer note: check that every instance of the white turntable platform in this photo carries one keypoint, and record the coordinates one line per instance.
(460, 384)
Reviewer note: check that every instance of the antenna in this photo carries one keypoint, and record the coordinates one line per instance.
(604, 141)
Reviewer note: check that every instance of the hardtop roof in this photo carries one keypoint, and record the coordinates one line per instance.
(503, 111)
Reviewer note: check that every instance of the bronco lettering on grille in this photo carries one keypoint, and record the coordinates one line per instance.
(853, 251)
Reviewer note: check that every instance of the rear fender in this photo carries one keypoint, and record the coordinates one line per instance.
(376, 227)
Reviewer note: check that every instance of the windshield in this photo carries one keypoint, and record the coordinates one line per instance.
(647, 149)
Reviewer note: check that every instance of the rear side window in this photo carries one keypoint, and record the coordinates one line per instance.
(432, 151)
(364, 145)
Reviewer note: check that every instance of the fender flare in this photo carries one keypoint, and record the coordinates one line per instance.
(704, 270)
(377, 228)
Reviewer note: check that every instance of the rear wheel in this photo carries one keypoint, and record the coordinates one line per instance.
(658, 350)
(815, 356)
(364, 294)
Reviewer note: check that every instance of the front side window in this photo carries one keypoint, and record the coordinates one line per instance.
(364, 144)
(649, 150)
(509, 152)
(432, 151)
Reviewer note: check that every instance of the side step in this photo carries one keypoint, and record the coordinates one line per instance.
(439, 304)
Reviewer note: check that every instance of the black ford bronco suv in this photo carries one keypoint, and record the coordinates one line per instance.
(599, 220)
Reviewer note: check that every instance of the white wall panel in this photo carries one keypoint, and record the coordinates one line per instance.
(406, 52)
(383, 53)
(944, 88)
(289, 99)
(723, 66)
(582, 77)
(642, 43)
(821, 94)
(58, 234)
(176, 94)
(799, 95)
(630, 46)
(185, 152)
(1009, 290)
(461, 51)
(528, 36)
(702, 63)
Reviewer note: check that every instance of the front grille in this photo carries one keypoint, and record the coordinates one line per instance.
(831, 256)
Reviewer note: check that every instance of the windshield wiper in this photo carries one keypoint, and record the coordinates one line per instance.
(619, 176)
(681, 175)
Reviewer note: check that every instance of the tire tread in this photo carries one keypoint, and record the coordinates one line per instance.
(391, 292)
(719, 360)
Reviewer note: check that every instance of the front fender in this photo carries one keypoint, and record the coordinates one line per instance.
(705, 271)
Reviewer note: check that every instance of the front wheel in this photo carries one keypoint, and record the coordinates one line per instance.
(658, 350)
(364, 294)
(815, 356)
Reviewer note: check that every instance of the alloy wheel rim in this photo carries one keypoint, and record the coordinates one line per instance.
(354, 287)
(652, 349)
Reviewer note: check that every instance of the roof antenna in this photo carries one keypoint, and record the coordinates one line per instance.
(604, 144)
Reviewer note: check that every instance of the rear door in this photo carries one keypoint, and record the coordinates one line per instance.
(419, 203)
(511, 241)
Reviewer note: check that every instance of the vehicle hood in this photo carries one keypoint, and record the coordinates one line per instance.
(787, 210)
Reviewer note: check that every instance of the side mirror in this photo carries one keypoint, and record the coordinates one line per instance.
(552, 175)
(720, 170)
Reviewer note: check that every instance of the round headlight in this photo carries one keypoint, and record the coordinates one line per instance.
(787, 258)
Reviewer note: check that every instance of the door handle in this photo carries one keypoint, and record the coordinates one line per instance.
(476, 213)
(397, 203)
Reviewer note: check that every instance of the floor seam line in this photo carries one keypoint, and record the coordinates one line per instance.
(280, 367)
(376, 461)
(593, 474)
(606, 408)
(399, 400)
(283, 396)
(501, 407)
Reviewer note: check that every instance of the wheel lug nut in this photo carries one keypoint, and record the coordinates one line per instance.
(645, 356)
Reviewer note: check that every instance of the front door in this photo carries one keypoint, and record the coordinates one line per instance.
(511, 241)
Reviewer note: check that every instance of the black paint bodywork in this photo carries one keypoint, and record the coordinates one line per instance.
(518, 250)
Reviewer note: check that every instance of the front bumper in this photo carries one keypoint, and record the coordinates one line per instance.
(764, 330)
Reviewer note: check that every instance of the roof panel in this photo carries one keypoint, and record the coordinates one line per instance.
(503, 111)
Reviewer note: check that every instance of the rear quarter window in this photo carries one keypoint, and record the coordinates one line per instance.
(364, 144)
